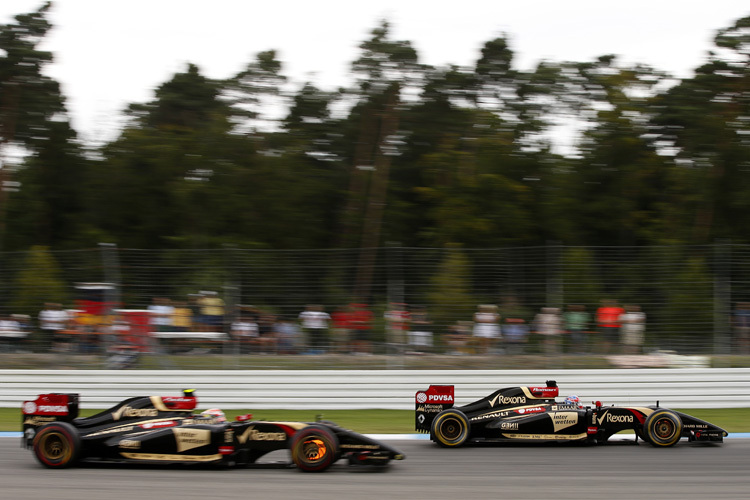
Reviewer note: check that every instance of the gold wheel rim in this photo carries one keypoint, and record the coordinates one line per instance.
(314, 449)
(54, 446)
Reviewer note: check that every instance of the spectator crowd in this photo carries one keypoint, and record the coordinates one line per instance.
(203, 319)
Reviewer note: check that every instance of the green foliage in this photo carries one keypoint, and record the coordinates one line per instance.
(579, 277)
(28, 98)
(420, 155)
(451, 288)
(39, 281)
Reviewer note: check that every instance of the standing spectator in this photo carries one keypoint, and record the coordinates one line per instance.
(457, 338)
(633, 323)
(608, 324)
(12, 329)
(487, 328)
(182, 317)
(161, 314)
(577, 320)
(288, 335)
(515, 335)
(120, 330)
(52, 320)
(267, 332)
(420, 334)
(244, 331)
(211, 312)
(315, 322)
(360, 320)
(741, 327)
(193, 303)
(397, 319)
(340, 332)
(548, 324)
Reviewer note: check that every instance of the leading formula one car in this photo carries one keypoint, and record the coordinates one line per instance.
(165, 430)
(531, 414)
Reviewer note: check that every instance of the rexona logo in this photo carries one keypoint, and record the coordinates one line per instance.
(508, 400)
(127, 411)
(617, 419)
(620, 418)
(252, 434)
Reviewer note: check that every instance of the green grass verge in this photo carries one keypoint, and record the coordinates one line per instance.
(395, 421)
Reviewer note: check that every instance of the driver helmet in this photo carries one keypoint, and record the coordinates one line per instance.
(215, 414)
(573, 400)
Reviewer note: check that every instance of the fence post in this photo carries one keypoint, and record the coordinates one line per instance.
(722, 296)
(111, 273)
(554, 295)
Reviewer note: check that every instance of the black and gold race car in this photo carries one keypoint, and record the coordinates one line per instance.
(532, 414)
(159, 430)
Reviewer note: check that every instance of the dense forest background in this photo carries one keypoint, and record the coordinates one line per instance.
(414, 155)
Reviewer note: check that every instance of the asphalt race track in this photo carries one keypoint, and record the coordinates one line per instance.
(616, 471)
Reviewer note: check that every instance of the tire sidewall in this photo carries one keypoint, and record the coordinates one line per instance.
(445, 417)
(318, 432)
(649, 428)
(57, 430)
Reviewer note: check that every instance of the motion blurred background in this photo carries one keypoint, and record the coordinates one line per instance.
(422, 189)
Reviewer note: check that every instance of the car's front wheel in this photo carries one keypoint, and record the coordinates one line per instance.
(314, 449)
(450, 428)
(57, 445)
(663, 428)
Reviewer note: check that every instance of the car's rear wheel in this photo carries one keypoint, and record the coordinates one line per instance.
(57, 445)
(314, 449)
(450, 428)
(663, 428)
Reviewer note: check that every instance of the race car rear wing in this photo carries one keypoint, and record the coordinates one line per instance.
(44, 409)
(429, 403)
(59, 406)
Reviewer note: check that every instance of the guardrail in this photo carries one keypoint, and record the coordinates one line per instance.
(387, 389)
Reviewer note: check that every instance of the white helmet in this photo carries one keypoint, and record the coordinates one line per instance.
(215, 414)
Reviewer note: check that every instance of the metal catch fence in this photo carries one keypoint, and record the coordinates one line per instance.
(543, 301)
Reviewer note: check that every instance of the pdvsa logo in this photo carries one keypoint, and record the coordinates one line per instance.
(533, 409)
(421, 397)
(158, 425)
(440, 398)
(53, 409)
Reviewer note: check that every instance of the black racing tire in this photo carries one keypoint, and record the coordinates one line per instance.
(314, 448)
(641, 435)
(663, 428)
(450, 428)
(57, 445)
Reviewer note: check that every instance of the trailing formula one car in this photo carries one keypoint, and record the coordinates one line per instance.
(166, 430)
(531, 414)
